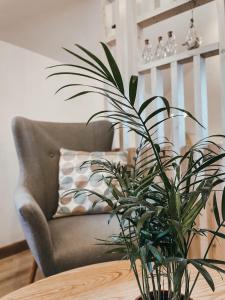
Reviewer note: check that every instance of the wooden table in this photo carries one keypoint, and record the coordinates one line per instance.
(106, 281)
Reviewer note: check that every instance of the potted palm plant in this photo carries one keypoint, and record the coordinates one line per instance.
(158, 198)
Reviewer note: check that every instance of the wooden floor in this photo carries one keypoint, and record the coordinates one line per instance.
(15, 271)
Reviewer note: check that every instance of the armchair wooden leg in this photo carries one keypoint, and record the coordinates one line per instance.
(33, 271)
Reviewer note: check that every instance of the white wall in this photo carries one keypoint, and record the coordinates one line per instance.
(28, 46)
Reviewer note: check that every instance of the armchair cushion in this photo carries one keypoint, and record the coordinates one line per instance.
(75, 240)
(74, 174)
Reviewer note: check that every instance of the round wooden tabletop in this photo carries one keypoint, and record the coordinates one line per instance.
(105, 281)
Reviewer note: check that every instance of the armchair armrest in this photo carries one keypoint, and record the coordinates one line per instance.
(36, 229)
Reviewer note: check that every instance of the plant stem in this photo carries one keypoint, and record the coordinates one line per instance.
(158, 282)
(163, 176)
(169, 281)
(187, 282)
(133, 264)
(145, 274)
(153, 285)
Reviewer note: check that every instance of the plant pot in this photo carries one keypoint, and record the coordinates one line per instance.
(164, 296)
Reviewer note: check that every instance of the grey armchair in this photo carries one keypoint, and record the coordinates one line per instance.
(64, 243)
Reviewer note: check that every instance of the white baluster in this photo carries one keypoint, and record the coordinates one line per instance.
(200, 96)
(157, 90)
(177, 95)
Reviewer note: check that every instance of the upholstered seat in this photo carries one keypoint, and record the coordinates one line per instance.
(64, 243)
(80, 235)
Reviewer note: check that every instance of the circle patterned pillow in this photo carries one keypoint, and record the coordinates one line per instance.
(72, 176)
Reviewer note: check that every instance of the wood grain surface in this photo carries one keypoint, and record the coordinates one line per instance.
(106, 281)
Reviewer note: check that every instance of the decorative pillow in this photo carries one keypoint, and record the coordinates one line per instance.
(73, 175)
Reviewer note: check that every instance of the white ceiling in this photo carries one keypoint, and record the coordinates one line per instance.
(17, 11)
(44, 26)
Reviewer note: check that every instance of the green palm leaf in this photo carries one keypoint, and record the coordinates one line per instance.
(114, 68)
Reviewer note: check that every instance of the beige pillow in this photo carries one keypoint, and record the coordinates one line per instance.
(72, 176)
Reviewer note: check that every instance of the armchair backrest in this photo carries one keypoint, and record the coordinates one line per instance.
(38, 143)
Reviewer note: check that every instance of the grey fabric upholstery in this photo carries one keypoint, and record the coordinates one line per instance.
(74, 240)
(65, 243)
